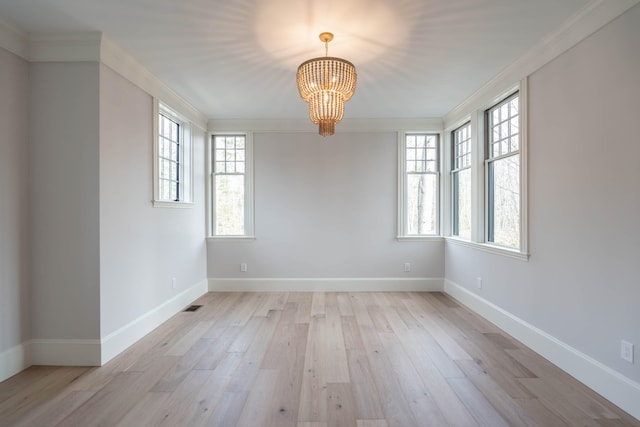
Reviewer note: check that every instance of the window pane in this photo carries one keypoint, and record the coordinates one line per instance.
(422, 204)
(229, 205)
(462, 203)
(504, 201)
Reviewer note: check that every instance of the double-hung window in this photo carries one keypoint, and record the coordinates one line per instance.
(461, 181)
(419, 189)
(172, 159)
(502, 173)
(232, 196)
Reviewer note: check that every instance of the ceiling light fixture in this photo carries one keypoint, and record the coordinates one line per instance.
(326, 83)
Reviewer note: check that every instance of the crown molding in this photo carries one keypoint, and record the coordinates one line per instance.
(116, 58)
(595, 15)
(14, 40)
(306, 126)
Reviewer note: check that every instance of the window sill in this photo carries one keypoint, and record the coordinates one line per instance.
(419, 238)
(230, 238)
(493, 249)
(166, 204)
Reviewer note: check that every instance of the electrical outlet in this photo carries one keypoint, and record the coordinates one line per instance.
(407, 267)
(626, 351)
(173, 282)
(243, 267)
(479, 282)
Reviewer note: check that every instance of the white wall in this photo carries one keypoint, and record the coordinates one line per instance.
(64, 171)
(325, 208)
(141, 247)
(14, 213)
(581, 284)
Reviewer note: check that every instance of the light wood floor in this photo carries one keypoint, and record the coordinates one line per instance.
(313, 360)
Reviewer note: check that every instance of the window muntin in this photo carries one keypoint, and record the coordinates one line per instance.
(173, 176)
(461, 181)
(503, 172)
(421, 185)
(230, 185)
(169, 158)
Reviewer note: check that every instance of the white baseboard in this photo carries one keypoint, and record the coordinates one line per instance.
(119, 340)
(14, 360)
(392, 284)
(98, 352)
(65, 352)
(614, 386)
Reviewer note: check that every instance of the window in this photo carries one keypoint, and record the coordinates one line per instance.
(232, 185)
(502, 166)
(419, 182)
(172, 165)
(461, 181)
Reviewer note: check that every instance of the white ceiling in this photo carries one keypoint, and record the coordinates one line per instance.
(238, 58)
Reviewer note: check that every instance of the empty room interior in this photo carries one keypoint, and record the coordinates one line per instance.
(299, 213)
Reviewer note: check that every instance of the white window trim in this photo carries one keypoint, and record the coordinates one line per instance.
(187, 154)
(478, 181)
(249, 214)
(402, 235)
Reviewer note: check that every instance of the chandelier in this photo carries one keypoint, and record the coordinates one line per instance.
(326, 83)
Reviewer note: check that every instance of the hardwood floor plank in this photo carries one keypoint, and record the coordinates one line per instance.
(478, 405)
(494, 393)
(172, 379)
(415, 392)
(371, 423)
(144, 412)
(185, 343)
(252, 359)
(395, 406)
(420, 309)
(207, 399)
(119, 396)
(313, 391)
(341, 405)
(42, 387)
(364, 389)
(53, 411)
(259, 408)
(317, 304)
(303, 301)
(566, 401)
(336, 354)
(313, 359)
(450, 405)
(344, 304)
(227, 412)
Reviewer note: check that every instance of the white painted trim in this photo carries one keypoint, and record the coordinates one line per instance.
(65, 352)
(14, 40)
(15, 360)
(116, 58)
(386, 284)
(119, 340)
(306, 126)
(595, 15)
(485, 247)
(614, 386)
(95, 47)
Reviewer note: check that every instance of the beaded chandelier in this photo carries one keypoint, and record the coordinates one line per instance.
(326, 83)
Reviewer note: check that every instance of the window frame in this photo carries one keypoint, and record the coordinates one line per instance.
(402, 223)
(490, 160)
(249, 224)
(476, 115)
(455, 171)
(185, 152)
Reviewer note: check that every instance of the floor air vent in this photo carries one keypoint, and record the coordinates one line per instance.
(192, 308)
